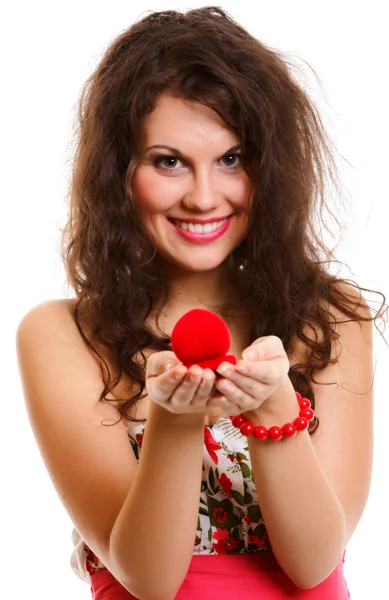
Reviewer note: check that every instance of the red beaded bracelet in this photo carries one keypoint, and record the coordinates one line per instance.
(276, 433)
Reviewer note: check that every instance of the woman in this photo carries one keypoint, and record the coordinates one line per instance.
(198, 176)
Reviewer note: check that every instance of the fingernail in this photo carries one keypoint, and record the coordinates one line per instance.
(179, 374)
(193, 376)
(224, 370)
(242, 367)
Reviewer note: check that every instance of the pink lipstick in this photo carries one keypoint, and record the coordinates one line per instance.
(203, 238)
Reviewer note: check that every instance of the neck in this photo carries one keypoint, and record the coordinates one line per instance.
(215, 290)
(210, 290)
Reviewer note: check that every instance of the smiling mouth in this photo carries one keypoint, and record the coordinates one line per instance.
(199, 228)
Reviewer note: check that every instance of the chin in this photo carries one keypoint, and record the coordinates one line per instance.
(202, 265)
(193, 263)
(200, 268)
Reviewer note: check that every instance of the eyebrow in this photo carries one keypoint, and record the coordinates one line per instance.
(179, 153)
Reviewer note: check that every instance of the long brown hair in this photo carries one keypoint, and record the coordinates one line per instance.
(204, 56)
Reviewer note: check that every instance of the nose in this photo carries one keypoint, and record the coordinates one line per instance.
(202, 193)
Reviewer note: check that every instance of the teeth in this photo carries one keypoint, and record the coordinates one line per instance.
(197, 228)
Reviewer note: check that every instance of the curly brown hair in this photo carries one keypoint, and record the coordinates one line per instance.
(204, 56)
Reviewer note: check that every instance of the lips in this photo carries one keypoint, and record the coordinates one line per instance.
(201, 235)
(199, 227)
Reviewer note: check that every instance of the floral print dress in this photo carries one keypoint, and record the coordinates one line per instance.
(230, 519)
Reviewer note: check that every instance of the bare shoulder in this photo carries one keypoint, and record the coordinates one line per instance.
(64, 305)
(354, 333)
(51, 315)
(79, 437)
(53, 321)
(50, 318)
(356, 300)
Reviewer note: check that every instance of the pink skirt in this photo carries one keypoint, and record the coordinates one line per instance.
(233, 577)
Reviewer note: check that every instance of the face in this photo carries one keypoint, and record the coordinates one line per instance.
(191, 190)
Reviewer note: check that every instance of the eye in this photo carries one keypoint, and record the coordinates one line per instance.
(166, 163)
(231, 160)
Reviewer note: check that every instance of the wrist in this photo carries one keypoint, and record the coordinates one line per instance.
(168, 418)
(281, 407)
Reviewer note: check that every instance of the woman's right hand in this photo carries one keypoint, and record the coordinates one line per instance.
(181, 390)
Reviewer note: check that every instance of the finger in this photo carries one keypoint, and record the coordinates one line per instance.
(233, 393)
(158, 362)
(266, 347)
(161, 388)
(204, 389)
(268, 372)
(255, 381)
(186, 390)
(218, 400)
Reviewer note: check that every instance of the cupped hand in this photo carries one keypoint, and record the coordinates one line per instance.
(253, 380)
(181, 390)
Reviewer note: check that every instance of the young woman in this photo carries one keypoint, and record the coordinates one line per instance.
(200, 171)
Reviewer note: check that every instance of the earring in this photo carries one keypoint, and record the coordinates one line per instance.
(243, 265)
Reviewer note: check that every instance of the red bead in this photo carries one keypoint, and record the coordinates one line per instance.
(247, 428)
(300, 423)
(238, 420)
(307, 413)
(304, 403)
(289, 430)
(275, 433)
(260, 432)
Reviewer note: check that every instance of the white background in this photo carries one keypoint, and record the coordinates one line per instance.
(48, 49)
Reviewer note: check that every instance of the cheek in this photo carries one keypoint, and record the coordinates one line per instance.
(239, 191)
(152, 193)
(144, 188)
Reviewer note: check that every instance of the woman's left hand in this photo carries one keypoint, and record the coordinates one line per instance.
(254, 379)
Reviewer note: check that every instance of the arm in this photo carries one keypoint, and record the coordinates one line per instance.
(312, 490)
(140, 520)
(304, 518)
(153, 537)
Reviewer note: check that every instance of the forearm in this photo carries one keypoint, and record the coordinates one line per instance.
(303, 516)
(153, 538)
